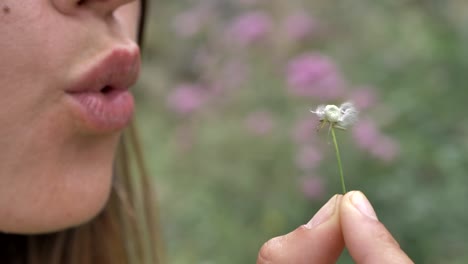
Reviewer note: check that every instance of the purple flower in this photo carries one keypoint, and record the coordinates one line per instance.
(364, 98)
(314, 75)
(305, 129)
(366, 134)
(312, 187)
(186, 98)
(369, 138)
(299, 25)
(260, 123)
(386, 150)
(249, 27)
(309, 157)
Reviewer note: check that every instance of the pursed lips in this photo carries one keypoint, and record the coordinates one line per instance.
(100, 97)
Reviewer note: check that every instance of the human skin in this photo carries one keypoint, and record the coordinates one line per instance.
(55, 170)
(344, 221)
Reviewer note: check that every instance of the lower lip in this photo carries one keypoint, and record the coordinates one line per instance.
(104, 112)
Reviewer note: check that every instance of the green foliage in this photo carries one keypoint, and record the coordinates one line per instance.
(224, 191)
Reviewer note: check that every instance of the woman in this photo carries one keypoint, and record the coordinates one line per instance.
(68, 191)
(65, 70)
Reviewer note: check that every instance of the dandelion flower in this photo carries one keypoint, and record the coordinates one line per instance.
(337, 117)
(320, 112)
(349, 115)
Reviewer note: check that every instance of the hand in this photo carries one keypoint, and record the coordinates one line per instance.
(347, 220)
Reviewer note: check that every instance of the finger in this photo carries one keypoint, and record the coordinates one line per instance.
(319, 241)
(367, 239)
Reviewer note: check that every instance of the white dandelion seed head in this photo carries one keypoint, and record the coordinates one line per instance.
(342, 116)
(320, 112)
(347, 106)
(349, 114)
(332, 113)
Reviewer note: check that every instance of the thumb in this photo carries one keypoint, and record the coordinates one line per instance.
(318, 241)
(367, 239)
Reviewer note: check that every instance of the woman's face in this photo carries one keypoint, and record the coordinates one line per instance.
(65, 67)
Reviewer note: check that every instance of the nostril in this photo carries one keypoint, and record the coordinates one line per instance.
(81, 2)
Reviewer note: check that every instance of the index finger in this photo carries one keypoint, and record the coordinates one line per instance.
(367, 239)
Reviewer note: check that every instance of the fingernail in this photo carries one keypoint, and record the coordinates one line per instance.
(359, 200)
(324, 213)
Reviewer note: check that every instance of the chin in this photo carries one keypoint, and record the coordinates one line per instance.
(64, 189)
(66, 208)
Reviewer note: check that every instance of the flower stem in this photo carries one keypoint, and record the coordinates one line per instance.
(339, 159)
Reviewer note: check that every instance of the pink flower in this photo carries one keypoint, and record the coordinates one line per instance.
(305, 129)
(249, 28)
(369, 138)
(314, 75)
(260, 123)
(364, 98)
(186, 98)
(312, 187)
(366, 134)
(309, 157)
(299, 26)
(386, 150)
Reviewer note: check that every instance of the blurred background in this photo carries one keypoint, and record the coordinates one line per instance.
(223, 111)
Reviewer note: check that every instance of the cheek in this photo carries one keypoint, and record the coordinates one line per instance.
(51, 175)
(31, 64)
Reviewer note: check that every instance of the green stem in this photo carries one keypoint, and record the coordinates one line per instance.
(339, 159)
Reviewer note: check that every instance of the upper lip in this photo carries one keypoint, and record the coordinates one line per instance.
(117, 69)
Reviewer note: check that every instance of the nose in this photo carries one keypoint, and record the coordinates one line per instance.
(101, 7)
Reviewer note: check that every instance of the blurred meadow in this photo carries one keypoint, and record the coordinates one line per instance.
(223, 111)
